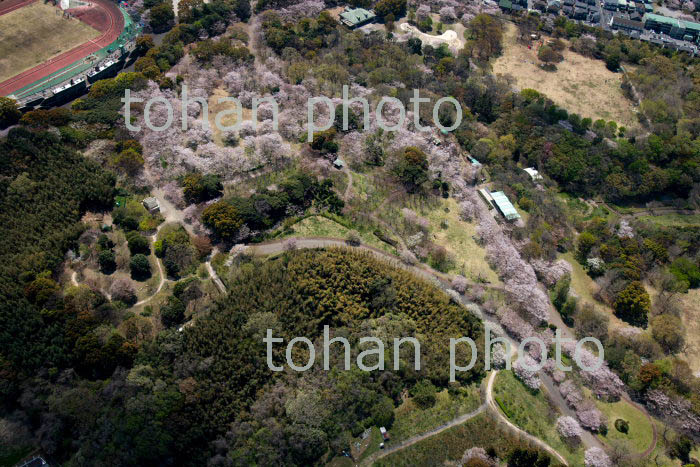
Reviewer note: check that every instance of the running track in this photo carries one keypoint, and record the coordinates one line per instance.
(7, 6)
(110, 32)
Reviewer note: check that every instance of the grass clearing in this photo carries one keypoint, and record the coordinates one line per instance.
(319, 226)
(228, 119)
(640, 434)
(458, 238)
(673, 220)
(585, 287)
(533, 413)
(35, 33)
(576, 75)
(412, 420)
(691, 320)
(449, 445)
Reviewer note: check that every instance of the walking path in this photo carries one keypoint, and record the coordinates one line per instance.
(514, 428)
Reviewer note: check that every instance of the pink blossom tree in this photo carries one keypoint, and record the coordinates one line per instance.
(568, 427)
(596, 457)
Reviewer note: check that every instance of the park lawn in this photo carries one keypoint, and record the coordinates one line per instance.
(35, 33)
(449, 445)
(640, 434)
(458, 239)
(673, 220)
(227, 119)
(368, 191)
(565, 86)
(411, 420)
(585, 287)
(533, 413)
(320, 226)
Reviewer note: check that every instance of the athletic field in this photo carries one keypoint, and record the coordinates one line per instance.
(35, 33)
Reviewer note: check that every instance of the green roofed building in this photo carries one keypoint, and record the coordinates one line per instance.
(504, 205)
(676, 28)
(354, 18)
(664, 24)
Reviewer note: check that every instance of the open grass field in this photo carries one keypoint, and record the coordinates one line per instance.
(640, 434)
(412, 420)
(581, 85)
(533, 413)
(228, 119)
(691, 320)
(319, 226)
(35, 33)
(449, 445)
(585, 287)
(456, 235)
(674, 220)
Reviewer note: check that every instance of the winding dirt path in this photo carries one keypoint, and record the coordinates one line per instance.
(511, 426)
(163, 279)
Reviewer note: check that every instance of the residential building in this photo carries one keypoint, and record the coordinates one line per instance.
(626, 25)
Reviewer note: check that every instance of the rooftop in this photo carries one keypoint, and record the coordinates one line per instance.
(150, 203)
(533, 173)
(356, 16)
(661, 19)
(504, 205)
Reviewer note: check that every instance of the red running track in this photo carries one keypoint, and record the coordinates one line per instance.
(108, 20)
(7, 6)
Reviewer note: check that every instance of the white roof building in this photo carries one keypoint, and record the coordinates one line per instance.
(533, 173)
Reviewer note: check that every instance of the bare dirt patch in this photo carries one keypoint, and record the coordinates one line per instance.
(35, 33)
(691, 320)
(580, 85)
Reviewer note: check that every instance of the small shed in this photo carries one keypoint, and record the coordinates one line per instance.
(151, 204)
(339, 163)
(533, 173)
(504, 205)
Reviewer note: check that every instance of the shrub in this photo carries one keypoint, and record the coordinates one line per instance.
(107, 261)
(622, 425)
(632, 304)
(686, 271)
(138, 244)
(424, 394)
(140, 267)
(173, 312)
(353, 238)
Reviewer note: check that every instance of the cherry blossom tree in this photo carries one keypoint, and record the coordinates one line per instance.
(123, 290)
(448, 15)
(525, 374)
(596, 457)
(568, 427)
(460, 284)
(550, 272)
(675, 410)
(476, 453)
